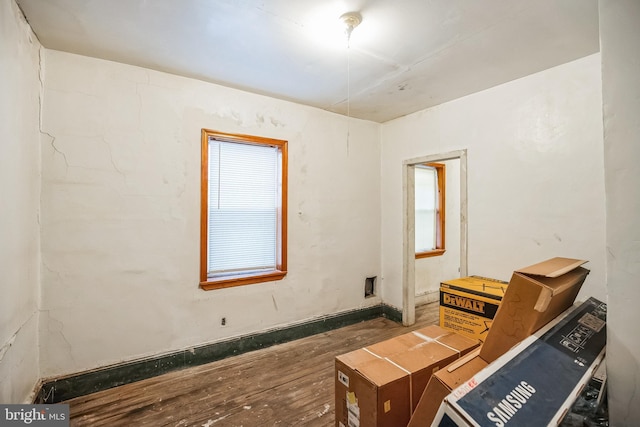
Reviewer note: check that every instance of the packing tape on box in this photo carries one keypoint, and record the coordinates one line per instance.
(388, 404)
(429, 339)
(410, 381)
(371, 352)
(397, 365)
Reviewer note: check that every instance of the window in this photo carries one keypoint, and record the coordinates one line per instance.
(243, 230)
(429, 215)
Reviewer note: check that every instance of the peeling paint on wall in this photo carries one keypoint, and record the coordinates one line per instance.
(20, 85)
(120, 213)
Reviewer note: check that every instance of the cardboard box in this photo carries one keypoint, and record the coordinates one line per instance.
(403, 343)
(380, 385)
(438, 349)
(535, 296)
(370, 391)
(535, 383)
(468, 304)
(441, 384)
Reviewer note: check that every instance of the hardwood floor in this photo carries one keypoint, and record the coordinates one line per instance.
(289, 384)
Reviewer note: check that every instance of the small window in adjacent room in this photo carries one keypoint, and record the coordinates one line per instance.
(429, 205)
(243, 230)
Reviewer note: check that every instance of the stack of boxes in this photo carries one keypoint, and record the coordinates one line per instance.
(379, 386)
(534, 383)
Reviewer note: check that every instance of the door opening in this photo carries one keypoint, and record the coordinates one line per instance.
(409, 224)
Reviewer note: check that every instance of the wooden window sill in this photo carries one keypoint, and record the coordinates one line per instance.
(435, 252)
(228, 282)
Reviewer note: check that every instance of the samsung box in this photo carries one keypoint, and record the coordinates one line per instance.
(379, 385)
(535, 383)
(535, 296)
(469, 304)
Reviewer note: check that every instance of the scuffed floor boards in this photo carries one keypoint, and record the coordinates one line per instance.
(284, 385)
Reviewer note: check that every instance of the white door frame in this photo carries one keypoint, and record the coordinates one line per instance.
(409, 226)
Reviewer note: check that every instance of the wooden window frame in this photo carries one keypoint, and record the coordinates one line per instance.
(440, 214)
(210, 283)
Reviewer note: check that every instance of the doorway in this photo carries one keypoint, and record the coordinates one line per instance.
(409, 259)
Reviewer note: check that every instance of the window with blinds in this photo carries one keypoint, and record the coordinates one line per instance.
(429, 209)
(244, 210)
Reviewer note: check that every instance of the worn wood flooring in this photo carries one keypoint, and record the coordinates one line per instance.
(289, 384)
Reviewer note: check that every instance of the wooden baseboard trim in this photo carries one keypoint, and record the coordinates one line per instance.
(57, 390)
(392, 313)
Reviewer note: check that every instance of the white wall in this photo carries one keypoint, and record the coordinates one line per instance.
(120, 220)
(120, 213)
(619, 36)
(20, 198)
(535, 173)
(431, 271)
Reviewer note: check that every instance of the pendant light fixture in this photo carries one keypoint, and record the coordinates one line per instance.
(350, 20)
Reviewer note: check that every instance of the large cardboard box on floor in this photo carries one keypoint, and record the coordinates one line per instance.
(379, 385)
(535, 383)
(370, 391)
(438, 349)
(469, 304)
(536, 295)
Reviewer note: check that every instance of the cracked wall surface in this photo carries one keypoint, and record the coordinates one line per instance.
(619, 37)
(120, 153)
(535, 173)
(121, 213)
(20, 200)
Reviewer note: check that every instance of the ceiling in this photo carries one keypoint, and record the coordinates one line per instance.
(405, 56)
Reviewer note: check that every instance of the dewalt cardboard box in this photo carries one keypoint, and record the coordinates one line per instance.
(469, 304)
(536, 382)
(380, 385)
(536, 295)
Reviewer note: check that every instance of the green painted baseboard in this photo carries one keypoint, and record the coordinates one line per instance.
(61, 389)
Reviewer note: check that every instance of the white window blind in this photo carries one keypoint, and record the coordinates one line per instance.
(426, 204)
(243, 208)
